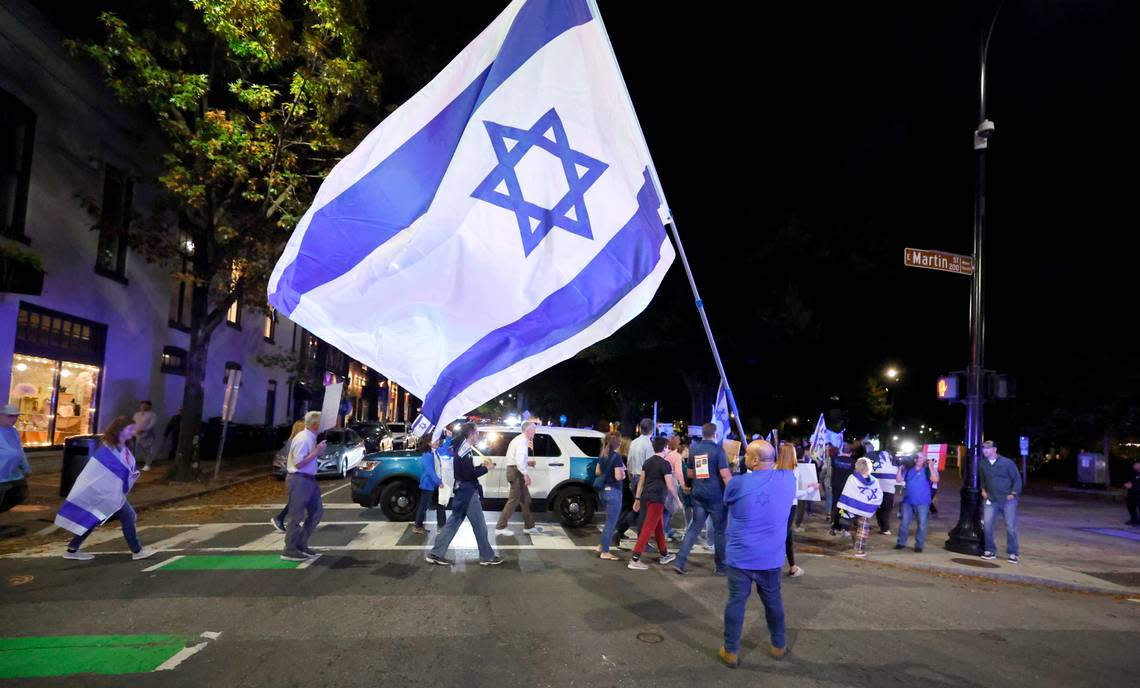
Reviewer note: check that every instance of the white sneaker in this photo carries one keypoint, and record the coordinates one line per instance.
(637, 565)
(78, 556)
(531, 531)
(145, 468)
(144, 553)
(504, 532)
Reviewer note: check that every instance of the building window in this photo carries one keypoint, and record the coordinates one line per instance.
(50, 334)
(182, 289)
(114, 221)
(17, 134)
(173, 360)
(270, 402)
(271, 326)
(233, 315)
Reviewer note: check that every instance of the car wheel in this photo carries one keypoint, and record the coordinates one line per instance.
(399, 499)
(575, 507)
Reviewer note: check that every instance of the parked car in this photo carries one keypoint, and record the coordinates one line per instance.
(343, 453)
(562, 481)
(372, 432)
(396, 439)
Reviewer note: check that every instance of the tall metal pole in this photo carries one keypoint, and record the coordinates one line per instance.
(966, 537)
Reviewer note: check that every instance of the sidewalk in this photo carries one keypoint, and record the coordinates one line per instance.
(1065, 543)
(33, 519)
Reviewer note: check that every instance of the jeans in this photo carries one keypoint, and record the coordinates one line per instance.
(612, 498)
(739, 588)
(466, 505)
(127, 518)
(1008, 510)
(920, 512)
(304, 505)
(430, 498)
(701, 510)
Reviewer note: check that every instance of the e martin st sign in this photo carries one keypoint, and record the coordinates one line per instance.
(938, 260)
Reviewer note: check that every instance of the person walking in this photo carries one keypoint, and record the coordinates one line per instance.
(144, 422)
(1133, 496)
(757, 525)
(467, 503)
(842, 466)
(711, 474)
(675, 504)
(100, 493)
(884, 470)
(14, 466)
(304, 497)
(859, 499)
(609, 477)
(1001, 488)
(653, 489)
(917, 482)
(278, 521)
(640, 449)
(429, 487)
(786, 461)
(518, 477)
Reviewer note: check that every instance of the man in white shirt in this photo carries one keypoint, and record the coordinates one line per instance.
(145, 420)
(518, 476)
(301, 486)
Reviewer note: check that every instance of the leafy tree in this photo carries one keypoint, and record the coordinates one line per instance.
(254, 101)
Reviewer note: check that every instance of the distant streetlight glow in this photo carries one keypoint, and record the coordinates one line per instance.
(892, 372)
(907, 447)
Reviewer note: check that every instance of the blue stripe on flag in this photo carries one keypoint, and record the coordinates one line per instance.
(856, 504)
(400, 189)
(621, 265)
(79, 515)
(105, 456)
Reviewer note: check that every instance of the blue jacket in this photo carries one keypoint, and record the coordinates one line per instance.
(429, 479)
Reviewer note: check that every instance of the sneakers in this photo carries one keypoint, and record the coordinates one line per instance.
(438, 561)
(532, 531)
(721, 572)
(679, 570)
(144, 553)
(777, 652)
(796, 572)
(833, 532)
(1013, 559)
(310, 553)
(798, 529)
(988, 556)
(860, 554)
(918, 550)
(637, 565)
(730, 659)
(78, 556)
(419, 531)
(145, 468)
(900, 546)
(277, 524)
(667, 559)
(294, 556)
(884, 532)
(492, 562)
(505, 532)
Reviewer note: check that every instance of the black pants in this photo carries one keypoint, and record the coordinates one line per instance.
(838, 481)
(884, 513)
(1134, 506)
(788, 549)
(801, 509)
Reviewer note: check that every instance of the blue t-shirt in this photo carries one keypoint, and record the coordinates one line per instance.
(758, 518)
(609, 463)
(706, 455)
(917, 486)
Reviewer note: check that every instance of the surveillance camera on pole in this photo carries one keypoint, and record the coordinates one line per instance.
(982, 135)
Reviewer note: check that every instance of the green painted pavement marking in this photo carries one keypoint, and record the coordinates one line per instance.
(39, 656)
(228, 562)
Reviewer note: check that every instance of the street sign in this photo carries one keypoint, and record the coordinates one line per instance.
(938, 260)
(1024, 445)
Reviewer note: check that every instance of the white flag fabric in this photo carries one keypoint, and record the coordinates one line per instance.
(720, 415)
(503, 219)
(99, 491)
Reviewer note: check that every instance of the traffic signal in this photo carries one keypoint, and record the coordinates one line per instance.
(1000, 386)
(950, 387)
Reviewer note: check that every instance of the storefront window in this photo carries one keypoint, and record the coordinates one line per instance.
(56, 399)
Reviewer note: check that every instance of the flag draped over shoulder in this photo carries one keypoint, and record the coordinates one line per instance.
(503, 219)
(99, 491)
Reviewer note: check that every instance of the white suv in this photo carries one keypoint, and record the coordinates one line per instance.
(562, 479)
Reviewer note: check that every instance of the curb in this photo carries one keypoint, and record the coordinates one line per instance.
(1016, 579)
(199, 493)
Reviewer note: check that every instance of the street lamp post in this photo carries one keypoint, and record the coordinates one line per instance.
(892, 374)
(966, 536)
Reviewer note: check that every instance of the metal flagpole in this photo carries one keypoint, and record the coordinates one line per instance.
(673, 227)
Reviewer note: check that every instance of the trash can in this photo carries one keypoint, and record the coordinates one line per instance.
(77, 449)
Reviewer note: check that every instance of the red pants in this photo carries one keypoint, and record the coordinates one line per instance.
(654, 512)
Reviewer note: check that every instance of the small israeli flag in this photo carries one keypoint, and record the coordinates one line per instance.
(505, 218)
(720, 415)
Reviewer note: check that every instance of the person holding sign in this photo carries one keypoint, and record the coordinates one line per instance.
(709, 476)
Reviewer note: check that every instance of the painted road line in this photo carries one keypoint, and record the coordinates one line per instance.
(382, 535)
(195, 536)
(229, 562)
(337, 489)
(270, 541)
(182, 656)
(48, 656)
(162, 563)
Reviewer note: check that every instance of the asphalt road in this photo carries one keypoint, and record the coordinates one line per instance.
(372, 612)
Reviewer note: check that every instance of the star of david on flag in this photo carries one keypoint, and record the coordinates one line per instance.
(503, 219)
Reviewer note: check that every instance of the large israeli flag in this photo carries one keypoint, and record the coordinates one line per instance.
(505, 218)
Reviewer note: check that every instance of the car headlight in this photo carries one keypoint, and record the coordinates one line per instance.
(368, 465)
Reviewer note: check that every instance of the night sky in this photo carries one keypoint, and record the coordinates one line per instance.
(802, 148)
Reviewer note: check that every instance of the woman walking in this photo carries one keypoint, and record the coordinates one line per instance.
(609, 479)
(100, 493)
(859, 500)
(786, 461)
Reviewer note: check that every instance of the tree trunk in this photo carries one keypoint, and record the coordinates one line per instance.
(186, 458)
